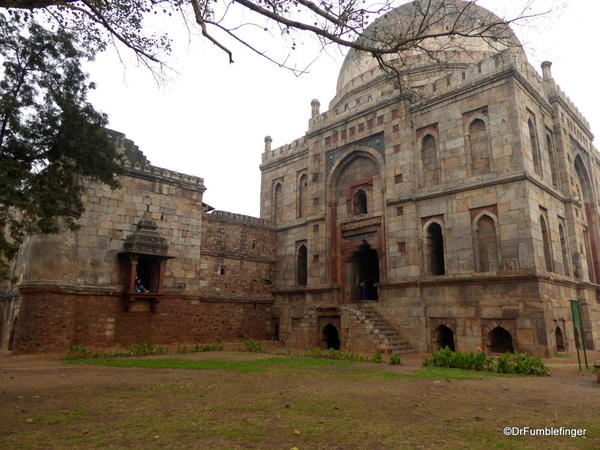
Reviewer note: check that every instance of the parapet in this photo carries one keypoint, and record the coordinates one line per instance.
(135, 163)
(375, 88)
(238, 218)
(296, 146)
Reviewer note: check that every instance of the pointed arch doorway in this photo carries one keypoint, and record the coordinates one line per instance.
(363, 273)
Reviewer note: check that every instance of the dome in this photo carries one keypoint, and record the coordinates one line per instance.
(359, 67)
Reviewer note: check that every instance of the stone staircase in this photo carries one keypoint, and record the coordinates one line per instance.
(389, 339)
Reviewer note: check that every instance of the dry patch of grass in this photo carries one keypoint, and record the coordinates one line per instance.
(285, 402)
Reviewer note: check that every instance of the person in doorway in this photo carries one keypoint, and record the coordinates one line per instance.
(138, 286)
(364, 294)
(369, 288)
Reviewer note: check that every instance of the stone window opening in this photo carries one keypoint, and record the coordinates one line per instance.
(302, 199)
(360, 202)
(552, 158)
(500, 341)
(429, 155)
(301, 266)
(564, 250)
(330, 337)
(560, 340)
(434, 249)
(147, 274)
(535, 152)
(444, 337)
(486, 241)
(546, 245)
(144, 261)
(479, 146)
(278, 203)
(221, 269)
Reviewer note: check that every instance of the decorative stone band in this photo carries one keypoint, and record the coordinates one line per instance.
(237, 255)
(66, 287)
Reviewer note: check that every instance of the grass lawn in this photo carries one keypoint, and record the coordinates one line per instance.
(237, 400)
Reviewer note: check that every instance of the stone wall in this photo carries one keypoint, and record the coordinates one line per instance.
(238, 256)
(52, 319)
(75, 285)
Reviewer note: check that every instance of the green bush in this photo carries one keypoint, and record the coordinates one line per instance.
(254, 347)
(140, 349)
(130, 351)
(215, 347)
(520, 363)
(377, 357)
(80, 352)
(395, 360)
(335, 354)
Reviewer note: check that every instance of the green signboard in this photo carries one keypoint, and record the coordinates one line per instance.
(578, 325)
(576, 313)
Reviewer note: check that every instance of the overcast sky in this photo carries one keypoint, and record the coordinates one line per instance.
(211, 117)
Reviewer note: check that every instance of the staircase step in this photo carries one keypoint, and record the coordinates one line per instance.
(385, 334)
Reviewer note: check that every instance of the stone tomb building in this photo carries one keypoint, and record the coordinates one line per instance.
(471, 207)
(465, 215)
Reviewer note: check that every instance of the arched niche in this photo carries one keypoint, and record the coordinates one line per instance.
(433, 248)
(480, 147)
(487, 254)
(360, 170)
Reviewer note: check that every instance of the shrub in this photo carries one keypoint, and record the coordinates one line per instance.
(254, 347)
(215, 347)
(80, 352)
(377, 357)
(140, 349)
(504, 364)
(507, 363)
(395, 360)
(132, 350)
(335, 354)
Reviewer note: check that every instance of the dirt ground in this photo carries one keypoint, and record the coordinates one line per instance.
(45, 403)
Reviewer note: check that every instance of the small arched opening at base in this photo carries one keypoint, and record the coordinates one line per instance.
(500, 341)
(331, 337)
(560, 340)
(444, 337)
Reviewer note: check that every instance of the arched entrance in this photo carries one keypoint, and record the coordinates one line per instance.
(560, 340)
(500, 341)
(364, 273)
(301, 266)
(434, 249)
(444, 337)
(331, 337)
